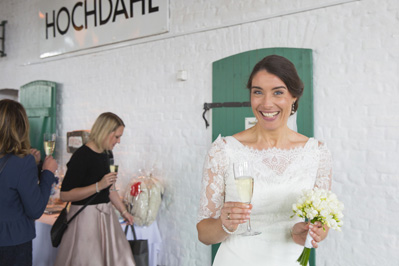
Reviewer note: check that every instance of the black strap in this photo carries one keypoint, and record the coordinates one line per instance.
(133, 231)
(4, 161)
(81, 209)
(208, 106)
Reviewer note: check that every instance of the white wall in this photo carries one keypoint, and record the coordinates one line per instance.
(356, 55)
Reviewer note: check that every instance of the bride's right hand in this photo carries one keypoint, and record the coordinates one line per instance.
(107, 180)
(234, 214)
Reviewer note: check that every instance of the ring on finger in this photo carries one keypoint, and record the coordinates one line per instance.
(228, 216)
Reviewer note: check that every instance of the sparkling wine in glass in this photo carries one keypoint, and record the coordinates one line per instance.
(113, 168)
(49, 143)
(244, 180)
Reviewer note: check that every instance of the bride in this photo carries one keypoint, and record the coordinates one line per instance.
(285, 162)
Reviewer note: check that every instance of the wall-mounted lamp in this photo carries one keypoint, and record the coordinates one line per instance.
(2, 37)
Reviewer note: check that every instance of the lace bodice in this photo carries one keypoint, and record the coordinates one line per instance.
(274, 169)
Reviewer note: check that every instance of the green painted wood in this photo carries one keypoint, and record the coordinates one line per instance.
(229, 78)
(305, 118)
(39, 99)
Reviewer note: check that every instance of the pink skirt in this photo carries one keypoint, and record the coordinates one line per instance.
(94, 237)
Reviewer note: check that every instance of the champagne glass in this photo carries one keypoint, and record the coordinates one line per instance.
(244, 180)
(49, 143)
(113, 168)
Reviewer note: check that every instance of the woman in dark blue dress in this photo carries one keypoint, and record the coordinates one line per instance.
(23, 197)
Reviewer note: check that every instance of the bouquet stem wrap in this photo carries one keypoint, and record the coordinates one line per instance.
(308, 241)
(305, 255)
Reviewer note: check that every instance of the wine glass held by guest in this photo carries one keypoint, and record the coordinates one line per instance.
(284, 163)
(113, 168)
(49, 143)
(95, 236)
(23, 196)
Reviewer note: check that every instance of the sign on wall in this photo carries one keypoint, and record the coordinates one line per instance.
(67, 26)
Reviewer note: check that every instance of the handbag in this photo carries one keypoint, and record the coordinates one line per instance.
(61, 224)
(59, 227)
(139, 248)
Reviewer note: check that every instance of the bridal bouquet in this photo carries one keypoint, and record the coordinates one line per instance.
(318, 205)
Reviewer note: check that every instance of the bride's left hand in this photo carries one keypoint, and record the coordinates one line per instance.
(300, 231)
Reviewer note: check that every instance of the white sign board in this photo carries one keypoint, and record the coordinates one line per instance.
(67, 26)
(251, 121)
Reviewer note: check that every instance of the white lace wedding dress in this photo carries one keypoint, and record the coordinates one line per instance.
(279, 178)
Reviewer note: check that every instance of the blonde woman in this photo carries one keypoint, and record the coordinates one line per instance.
(23, 197)
(95, 236)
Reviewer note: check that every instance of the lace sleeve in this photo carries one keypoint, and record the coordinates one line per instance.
(212, 192)
(324, 172)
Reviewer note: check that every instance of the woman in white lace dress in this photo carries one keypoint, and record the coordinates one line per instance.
(285, 162)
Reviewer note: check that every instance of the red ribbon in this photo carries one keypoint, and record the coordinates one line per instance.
(135, 190)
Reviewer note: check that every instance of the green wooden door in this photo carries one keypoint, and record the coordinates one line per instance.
(39, 100)
(229, 79)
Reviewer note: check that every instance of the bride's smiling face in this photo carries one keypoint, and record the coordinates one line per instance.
(271, 100)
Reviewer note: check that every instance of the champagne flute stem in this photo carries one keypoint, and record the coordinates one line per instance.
(249, 225)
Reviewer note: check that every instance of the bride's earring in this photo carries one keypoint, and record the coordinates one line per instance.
(293, 109)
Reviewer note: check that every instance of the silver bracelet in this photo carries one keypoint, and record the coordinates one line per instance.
(228, 231)
(97, 188)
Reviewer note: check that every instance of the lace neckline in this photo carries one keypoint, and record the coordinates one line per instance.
(273, 149)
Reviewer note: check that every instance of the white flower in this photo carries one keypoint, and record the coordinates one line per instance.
(320, 205)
